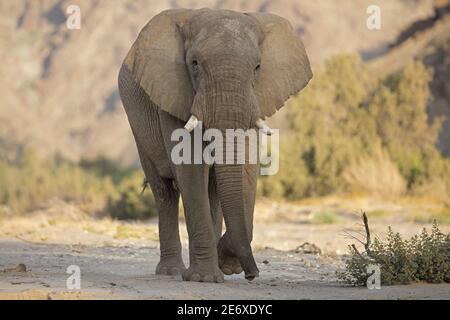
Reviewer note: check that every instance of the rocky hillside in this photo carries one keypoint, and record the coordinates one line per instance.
(427, 40)
(58, 91)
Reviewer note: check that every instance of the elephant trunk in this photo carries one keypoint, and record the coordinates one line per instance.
(231, 194)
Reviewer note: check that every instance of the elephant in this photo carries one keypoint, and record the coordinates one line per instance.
(227, 70)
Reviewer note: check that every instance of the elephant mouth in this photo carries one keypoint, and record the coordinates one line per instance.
(213, 146)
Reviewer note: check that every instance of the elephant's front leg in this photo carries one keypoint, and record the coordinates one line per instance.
(193, 183)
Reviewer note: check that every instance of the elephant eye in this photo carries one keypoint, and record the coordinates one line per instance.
(258, 67)
(195, 64)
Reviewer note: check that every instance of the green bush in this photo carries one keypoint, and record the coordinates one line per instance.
(324, 217)
(28, 182)
(399, 109)
(349, 126)
(425, 257)
(130, 202)
(103, 167)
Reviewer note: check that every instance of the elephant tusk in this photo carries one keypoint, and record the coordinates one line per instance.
(191, 124)
(260, 124)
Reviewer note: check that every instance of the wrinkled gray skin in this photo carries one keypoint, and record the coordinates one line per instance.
(228, 69)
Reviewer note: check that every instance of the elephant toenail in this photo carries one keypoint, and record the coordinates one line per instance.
(238, 270)
(208, 278)
(227, 271)
(195, 277)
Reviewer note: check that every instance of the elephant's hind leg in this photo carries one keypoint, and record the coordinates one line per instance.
(166, 198)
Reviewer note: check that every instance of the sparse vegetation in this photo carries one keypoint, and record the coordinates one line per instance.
(324, 217)
(130, 202)
(351, 133)
(424, 257)
(379, 213)
(130, 231)
(442, 216)
(354, 133)
(28, 182)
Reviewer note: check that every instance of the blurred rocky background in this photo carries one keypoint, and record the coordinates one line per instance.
(59, 92)
(59, 98)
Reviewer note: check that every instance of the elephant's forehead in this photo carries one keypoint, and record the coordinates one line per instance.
(229, 33)
(238, 29)
(225, 26)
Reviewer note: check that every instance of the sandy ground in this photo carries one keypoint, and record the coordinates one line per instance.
(117, 260)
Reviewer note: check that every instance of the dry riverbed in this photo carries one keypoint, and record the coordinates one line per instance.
(117, 260)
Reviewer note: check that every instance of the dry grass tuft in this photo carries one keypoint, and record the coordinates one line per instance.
(375, 175)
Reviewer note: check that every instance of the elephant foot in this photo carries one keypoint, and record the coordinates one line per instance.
(230, 264)
(170, 267)
(200, 275)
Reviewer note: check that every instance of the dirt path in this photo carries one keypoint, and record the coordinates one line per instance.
(128, 273)
(117, 259)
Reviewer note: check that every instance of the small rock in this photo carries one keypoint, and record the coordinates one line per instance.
(19, 268)
(308, 248)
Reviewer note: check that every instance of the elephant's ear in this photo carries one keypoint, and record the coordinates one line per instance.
(157, 62)
(285, 68)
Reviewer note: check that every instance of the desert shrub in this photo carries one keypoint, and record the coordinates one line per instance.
(398, 107)
(351, 131)
(374, 174)
(326, 121)
(104, 167)
(292, 178)
(28, 181)
(424, 257)
(324, 217)
(127, 201)
(130, 202)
